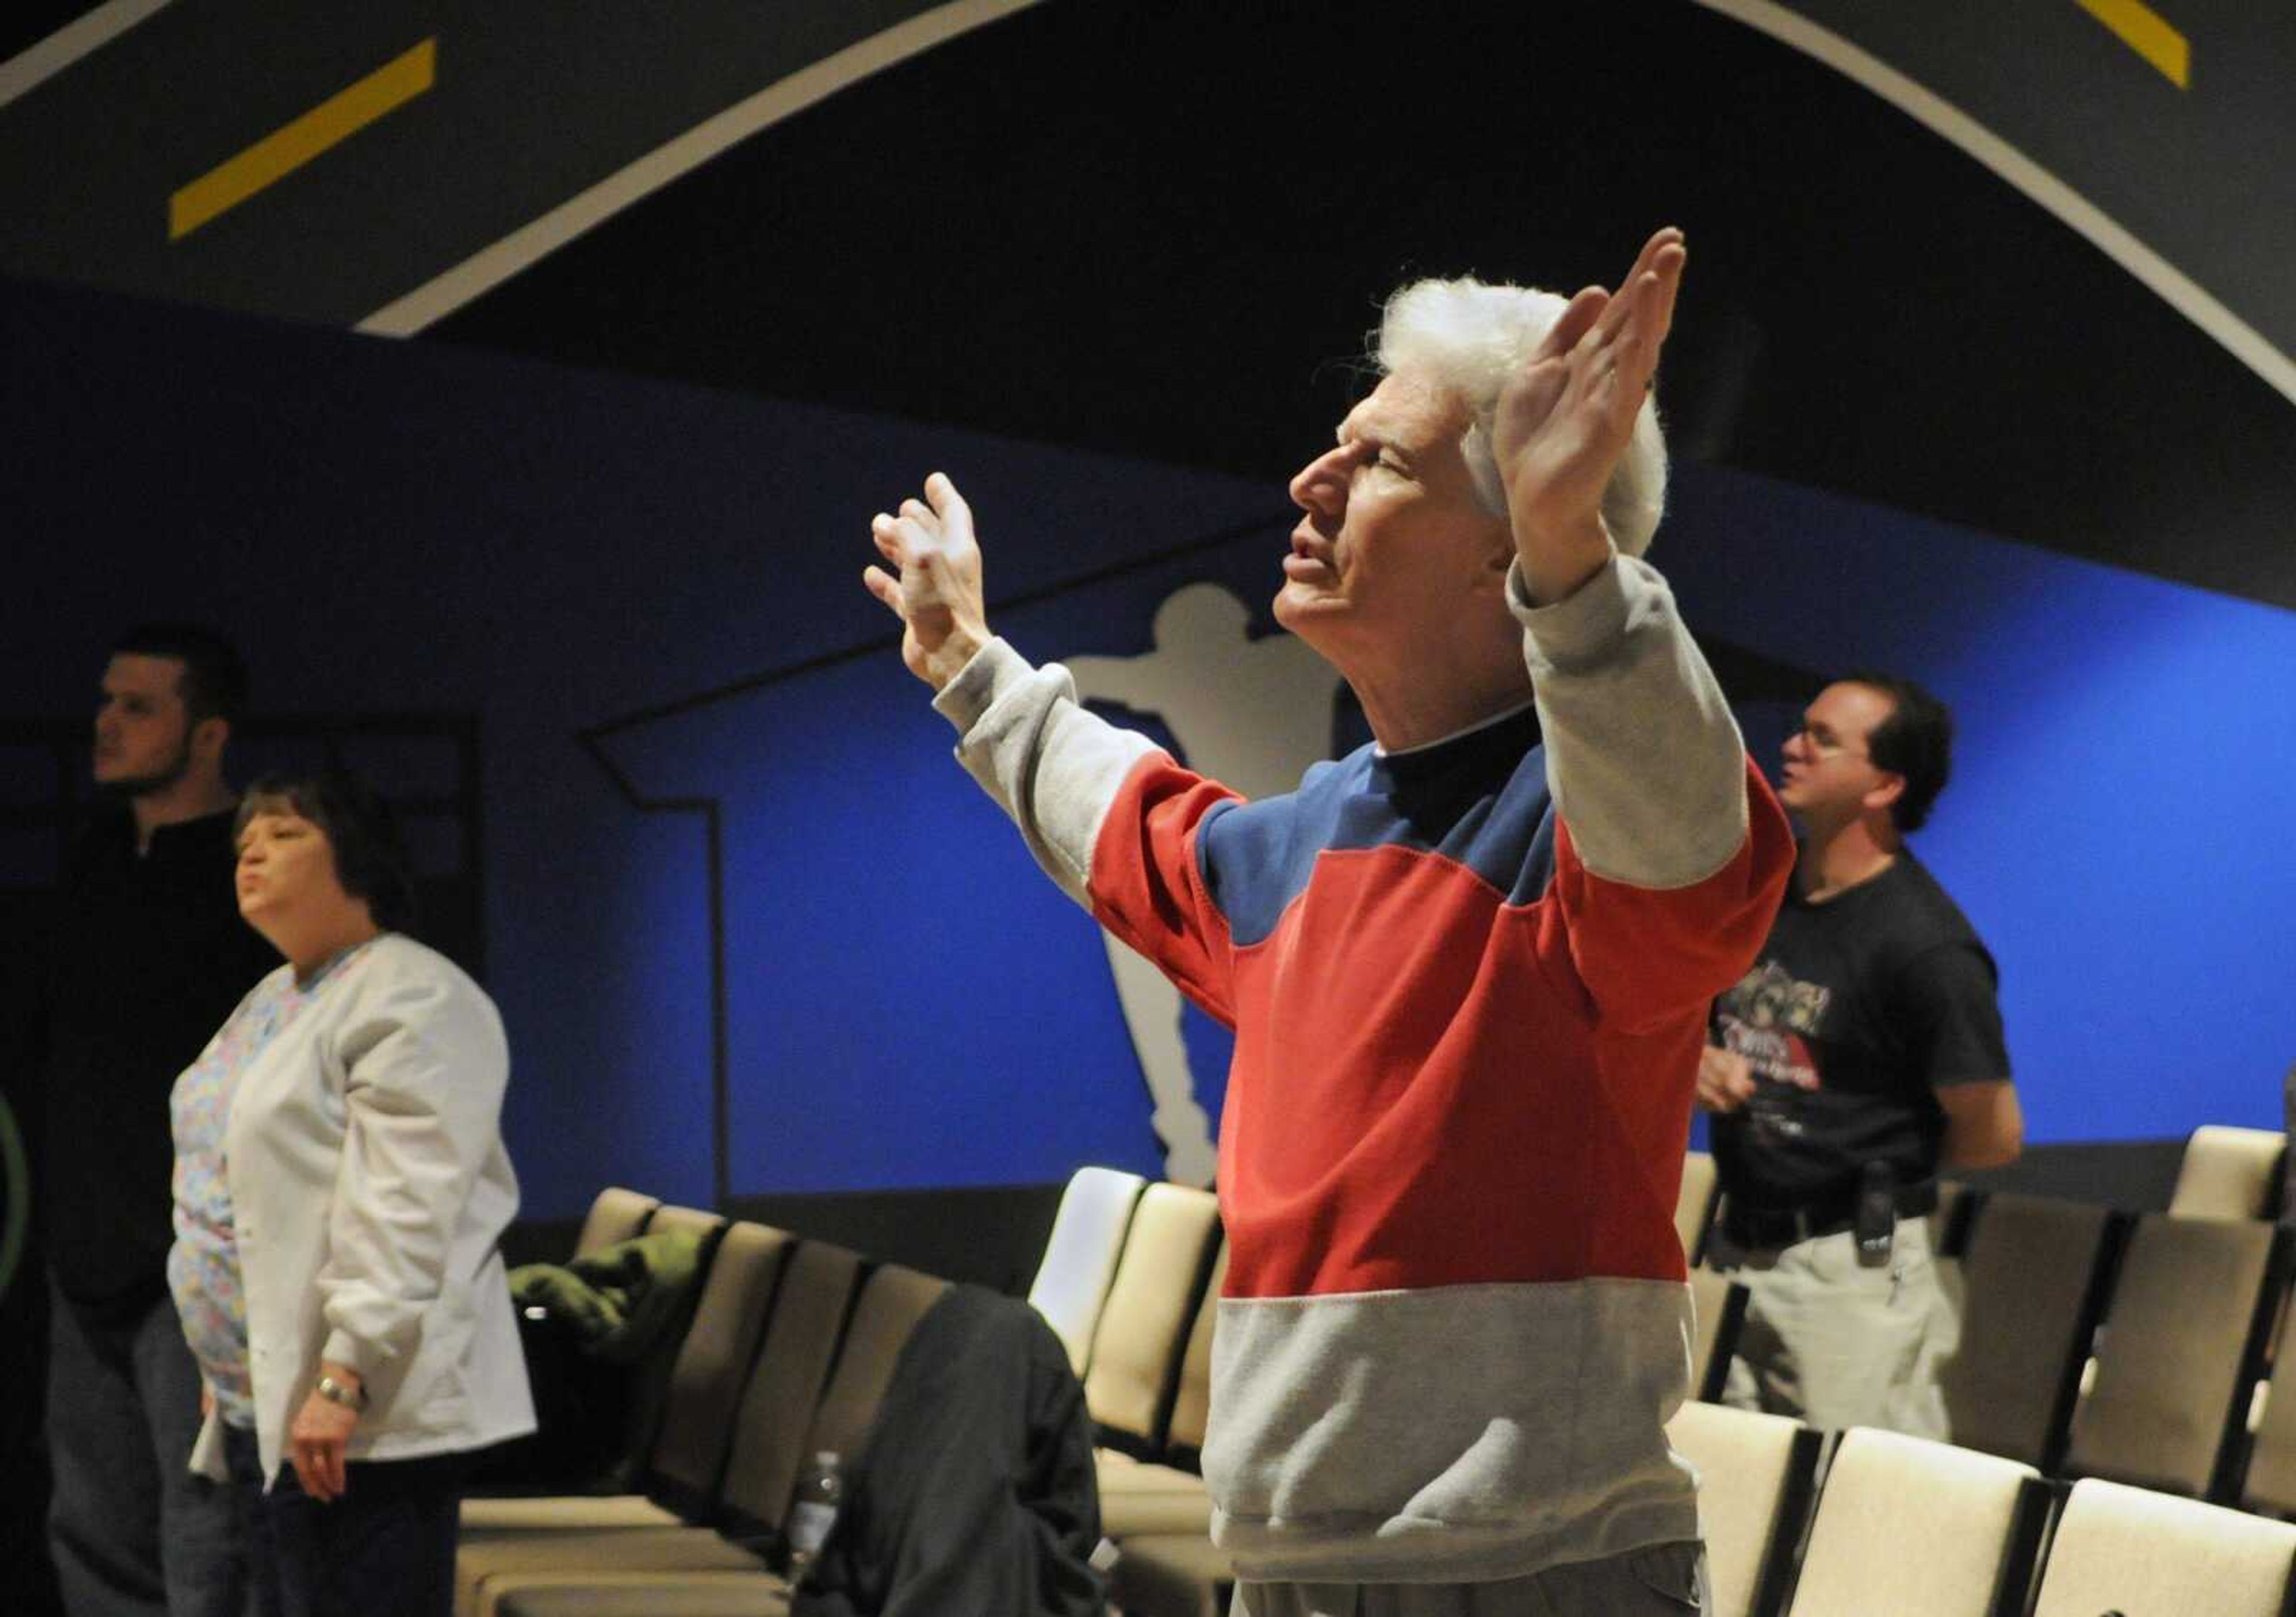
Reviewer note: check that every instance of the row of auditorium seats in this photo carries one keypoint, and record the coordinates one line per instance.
(1903, 1527)
(792, 1344)
(1983, 1525)
(790, 1350)
(2096, 1344)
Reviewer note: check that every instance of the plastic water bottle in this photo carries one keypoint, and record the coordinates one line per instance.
(819, 1491)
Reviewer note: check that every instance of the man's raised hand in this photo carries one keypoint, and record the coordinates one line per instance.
(936, 593)
(1564, 420)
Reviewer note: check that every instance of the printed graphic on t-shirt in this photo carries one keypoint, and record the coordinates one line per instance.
(1769, 1019)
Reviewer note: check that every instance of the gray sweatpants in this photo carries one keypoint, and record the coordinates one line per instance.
(1664, 1580)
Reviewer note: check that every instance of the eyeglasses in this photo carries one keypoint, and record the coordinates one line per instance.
(1824, 742)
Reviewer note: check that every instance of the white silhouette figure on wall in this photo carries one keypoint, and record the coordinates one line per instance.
(1249, 713)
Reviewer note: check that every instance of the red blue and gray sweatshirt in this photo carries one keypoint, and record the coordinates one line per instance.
(1467, 983)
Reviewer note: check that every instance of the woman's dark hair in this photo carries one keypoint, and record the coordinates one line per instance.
(1915, 741)
(371, 858)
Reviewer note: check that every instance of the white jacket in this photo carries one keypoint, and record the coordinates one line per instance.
(369, 1187)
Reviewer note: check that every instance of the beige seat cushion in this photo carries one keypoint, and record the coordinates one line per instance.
(483, 1570)
(1122, 1473)
(1715, 1311)
(1136, 1497)
(705, 1386)
(1079, 1259)
(616, 1215)
(1908, 1528)
(1753, 1474)
(2172, 1361)
(2148, 1554)
(1171, 1575)
(1126, 1516)
(564, 1513)
(785, 1383)
(1191, 1404)
(1151, 1307)
(2270, 1482)
(651, 1595)
(2026, 1291)
(1693, 1202)
(2227, 1173)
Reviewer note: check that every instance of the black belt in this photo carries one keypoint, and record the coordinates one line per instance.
(1758, 1228)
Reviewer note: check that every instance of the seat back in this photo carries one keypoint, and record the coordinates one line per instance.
(1717, 1308)
(1754, 1480)
(1080, 1261)
(615, 1215)
(785, 1385)
(1909, 1528)
(713, 1365)
(1145, 1324)
(650, 1376)
(2270, 1484)
(2228, 1174)
(702, 1222)
(2178, 1359)
(2129, 1550)
(892, 1300)
(2032, 1279)
(1693, 1202)
(1192, 1403)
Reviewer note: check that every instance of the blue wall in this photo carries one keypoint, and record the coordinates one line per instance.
(2125, 780)
(395, 527)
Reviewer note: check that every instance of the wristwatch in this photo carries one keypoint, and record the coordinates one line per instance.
(335, 1392)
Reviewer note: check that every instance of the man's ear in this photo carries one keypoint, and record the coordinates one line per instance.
(209, 737)
(1885, 791)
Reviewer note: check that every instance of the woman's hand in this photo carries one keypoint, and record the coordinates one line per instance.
(319, 1436)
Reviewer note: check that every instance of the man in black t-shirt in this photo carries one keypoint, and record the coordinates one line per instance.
(1862, 1052)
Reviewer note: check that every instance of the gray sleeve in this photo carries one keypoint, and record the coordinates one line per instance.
(1643, 757)
(425, 1065)
(1051, 764)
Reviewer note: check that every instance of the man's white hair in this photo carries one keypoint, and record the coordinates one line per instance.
(1469, 338)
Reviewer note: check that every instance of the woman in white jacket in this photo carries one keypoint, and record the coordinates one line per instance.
(341, 1185)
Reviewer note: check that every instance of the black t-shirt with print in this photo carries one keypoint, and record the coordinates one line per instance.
(1856, 1011)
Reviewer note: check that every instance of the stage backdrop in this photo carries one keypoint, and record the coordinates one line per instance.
(649, 594)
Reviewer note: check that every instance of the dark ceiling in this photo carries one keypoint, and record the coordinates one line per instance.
(1163, 230)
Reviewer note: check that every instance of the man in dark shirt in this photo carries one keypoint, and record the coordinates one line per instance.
(1862, 1051)
(148, 956)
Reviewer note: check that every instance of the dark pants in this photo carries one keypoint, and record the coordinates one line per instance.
(385, 1547)
(132, 1529)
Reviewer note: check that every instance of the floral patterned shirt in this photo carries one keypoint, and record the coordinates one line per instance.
(203, 1264)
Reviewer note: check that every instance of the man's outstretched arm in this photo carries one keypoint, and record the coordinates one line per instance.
(1049, 764)
(1106, 812)
(1646, 765)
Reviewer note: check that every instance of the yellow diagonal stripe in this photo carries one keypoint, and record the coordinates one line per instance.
(2147, 32)
(288, 148)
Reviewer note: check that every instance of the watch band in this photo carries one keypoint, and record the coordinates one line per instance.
(335, 1392)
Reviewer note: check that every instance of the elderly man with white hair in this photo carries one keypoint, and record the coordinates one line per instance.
(1468, 968)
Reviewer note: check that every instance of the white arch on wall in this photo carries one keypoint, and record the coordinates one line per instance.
(2179, 291)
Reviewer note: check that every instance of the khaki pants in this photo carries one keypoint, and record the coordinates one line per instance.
(1837, 1344)
(1664, 1580)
